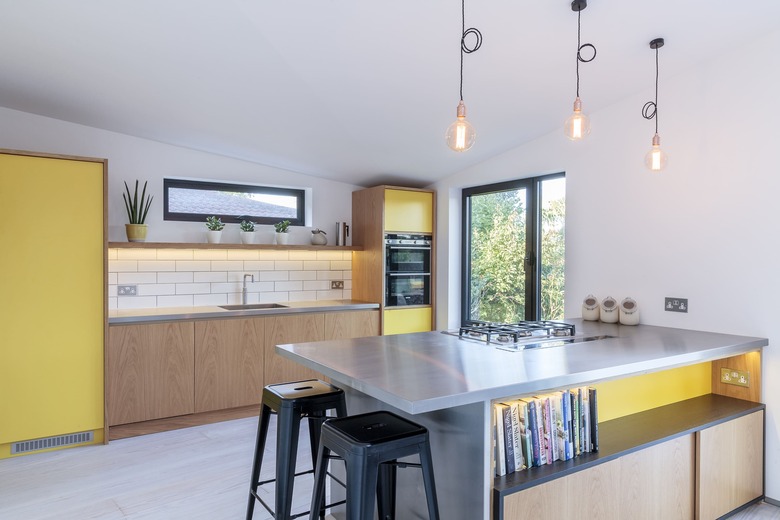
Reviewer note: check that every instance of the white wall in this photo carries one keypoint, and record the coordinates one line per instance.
(706, 228)
(131, 158)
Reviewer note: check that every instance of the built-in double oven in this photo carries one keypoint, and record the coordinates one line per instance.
(407, 269)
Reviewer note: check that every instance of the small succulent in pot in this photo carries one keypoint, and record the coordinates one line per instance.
(247, 226)
(281, 227)
(214, 224)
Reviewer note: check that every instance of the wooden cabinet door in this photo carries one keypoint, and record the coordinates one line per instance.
(228, 363)
(290, 329)
(150, 371)
(351, 324)
(730, 465)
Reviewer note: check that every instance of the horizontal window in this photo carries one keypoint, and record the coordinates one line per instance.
(195, 200)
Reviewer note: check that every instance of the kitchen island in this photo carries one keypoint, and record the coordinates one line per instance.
(449, 384)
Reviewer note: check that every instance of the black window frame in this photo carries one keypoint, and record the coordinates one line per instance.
(533, 238)
(299, 194)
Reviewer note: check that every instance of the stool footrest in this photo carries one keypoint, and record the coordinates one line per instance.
(264, 482)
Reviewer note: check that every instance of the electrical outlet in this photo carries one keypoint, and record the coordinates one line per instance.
(676, 304)
(735, 377)
(127, 290)
(337, 284)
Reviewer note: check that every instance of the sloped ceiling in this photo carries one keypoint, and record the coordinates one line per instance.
(354, 91)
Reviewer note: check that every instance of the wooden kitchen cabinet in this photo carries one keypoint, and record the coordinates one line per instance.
(293, 328)
(228, 363)
(730, 461)
(352, 324)
(150, 371)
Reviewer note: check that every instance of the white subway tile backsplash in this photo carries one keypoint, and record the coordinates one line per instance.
(176, 277)
(198, 277)
(347, 294)
(181, 300)
(227, 265)
(136, 254)
(243, 254)
(303, 255)
(193, 288)
(209, 254)
(193, 265)
(316, 265)
(259, 265)
(137, 302)
(156, 289)
(174, 254)
(122, 266)
(210, 276)
(288, 286)
(201, 300)
(156, 265)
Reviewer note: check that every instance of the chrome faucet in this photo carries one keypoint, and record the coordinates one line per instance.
(243, 291)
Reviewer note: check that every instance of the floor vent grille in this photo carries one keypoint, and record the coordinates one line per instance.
(51, 442)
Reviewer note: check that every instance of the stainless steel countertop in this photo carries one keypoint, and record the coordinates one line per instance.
(430, 371)
(197, 313)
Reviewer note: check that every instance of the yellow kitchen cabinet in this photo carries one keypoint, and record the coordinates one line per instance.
(228, 363)
(150, 371)
(53, 305)
(408, 211)
(404, 321)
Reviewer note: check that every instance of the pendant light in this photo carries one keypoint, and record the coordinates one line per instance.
(460, 135)
(655, 158)
(577, 127)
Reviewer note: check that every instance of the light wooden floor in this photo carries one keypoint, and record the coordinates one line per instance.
(189, 474)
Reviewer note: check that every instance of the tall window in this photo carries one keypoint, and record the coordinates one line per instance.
(513, 250)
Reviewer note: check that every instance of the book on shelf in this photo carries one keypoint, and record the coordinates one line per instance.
(586, 417)
(525, 433)
(533, 425)
(516, 440)
(582, 422)
(594, 419)
(500, 450)
(509, 448)
(575, 422)
(567, 424)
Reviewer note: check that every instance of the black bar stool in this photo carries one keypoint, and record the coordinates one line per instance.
(291, 402)
(370, 443)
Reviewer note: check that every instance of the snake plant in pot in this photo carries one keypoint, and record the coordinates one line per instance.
(137, 209)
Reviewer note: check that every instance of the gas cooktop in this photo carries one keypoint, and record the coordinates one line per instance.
(521, 335)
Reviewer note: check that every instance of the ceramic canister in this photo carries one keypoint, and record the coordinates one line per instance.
(629, 312)
(609, 310)
(590, 308)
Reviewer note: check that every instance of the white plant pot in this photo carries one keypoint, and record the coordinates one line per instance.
(247, 237)
(281, 238)
(214, 237)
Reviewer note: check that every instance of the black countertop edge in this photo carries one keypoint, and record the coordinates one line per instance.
(631, 433)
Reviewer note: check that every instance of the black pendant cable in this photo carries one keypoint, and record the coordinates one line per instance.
(460, 135)
(577, 126)
(655, 158)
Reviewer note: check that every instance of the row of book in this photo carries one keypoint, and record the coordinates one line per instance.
(539, 430)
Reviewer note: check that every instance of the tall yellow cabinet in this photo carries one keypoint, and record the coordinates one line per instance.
(52, 301)
(390, 209)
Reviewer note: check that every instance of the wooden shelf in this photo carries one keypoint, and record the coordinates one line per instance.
(193, 245)
(631, 433)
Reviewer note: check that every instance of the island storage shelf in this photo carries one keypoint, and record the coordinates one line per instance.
(629, 434)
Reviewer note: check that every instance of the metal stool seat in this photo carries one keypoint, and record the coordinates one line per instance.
(291, 402)
(370, 443)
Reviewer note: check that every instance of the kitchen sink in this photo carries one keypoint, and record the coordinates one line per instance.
(252, 306)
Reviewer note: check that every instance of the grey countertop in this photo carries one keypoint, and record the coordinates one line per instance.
(208, 312)
(430, 371)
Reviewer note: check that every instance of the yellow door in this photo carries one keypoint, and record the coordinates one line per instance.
(408, 211)
(52, 306)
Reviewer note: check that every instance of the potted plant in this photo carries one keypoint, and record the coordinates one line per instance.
(281, 231)
(247, 232)
(137, 209)
(215, 227)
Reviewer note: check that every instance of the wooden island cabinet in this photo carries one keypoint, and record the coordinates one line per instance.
(195, 367)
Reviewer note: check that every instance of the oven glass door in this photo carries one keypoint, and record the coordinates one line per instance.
(407, 289)
(408, 259)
